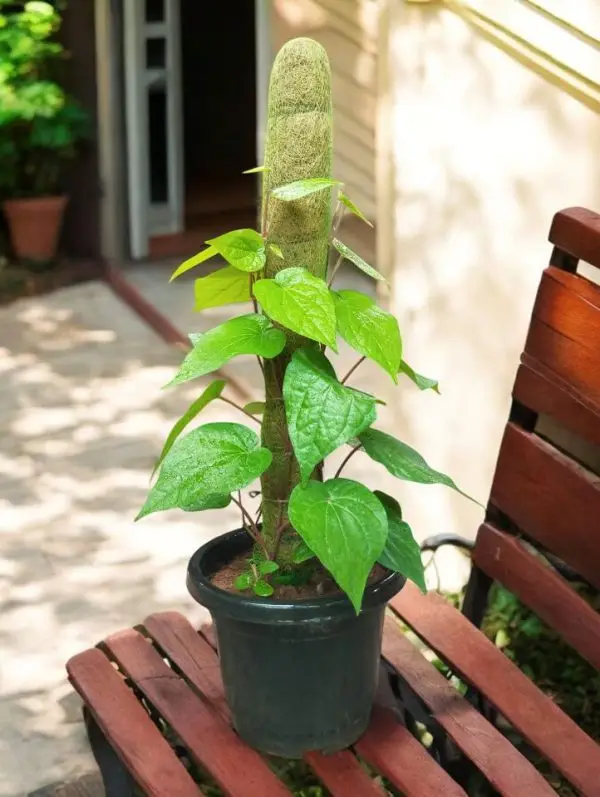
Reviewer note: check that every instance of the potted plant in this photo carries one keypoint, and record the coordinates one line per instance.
(40, 129)
(298, 593)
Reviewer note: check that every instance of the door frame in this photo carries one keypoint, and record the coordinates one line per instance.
(111, 129)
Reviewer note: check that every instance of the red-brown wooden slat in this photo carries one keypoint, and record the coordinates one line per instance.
(542, 589)
(551, 498)
(478, 661)
(239, 771)
(393, 751)
(194, 656)
(491, 752)
(545, 393)
(134, 737)
(577, 232)
(565, 330)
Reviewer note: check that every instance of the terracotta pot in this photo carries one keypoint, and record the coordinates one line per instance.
(35, 226)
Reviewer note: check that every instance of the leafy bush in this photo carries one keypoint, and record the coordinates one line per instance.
(40, 124)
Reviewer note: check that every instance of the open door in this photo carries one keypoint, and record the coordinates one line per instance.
(154, 120)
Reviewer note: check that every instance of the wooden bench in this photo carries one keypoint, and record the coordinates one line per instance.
(165, 675)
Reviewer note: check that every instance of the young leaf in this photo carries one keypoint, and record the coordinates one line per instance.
(302, 553)
(276, 251)
(256, 170)
(247, 334)
(298, 300)
(263, 589)
(347, 202)
(357, 260)
(194, 261)
(422, 382)
(212, 392)
(266, 567)
(243, 581)
(345, 525)
(226, 286)
(205, 466)
(403, 461)
(321, 413)
(369, 330)
(255, 407)
(402, 552)
(301, 188)
(242, 249)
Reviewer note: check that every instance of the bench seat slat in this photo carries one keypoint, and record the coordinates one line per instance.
(239, 771)
(478, 661)
(134, 737)
(491, 752)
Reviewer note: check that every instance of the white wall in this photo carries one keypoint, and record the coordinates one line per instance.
(483, 153)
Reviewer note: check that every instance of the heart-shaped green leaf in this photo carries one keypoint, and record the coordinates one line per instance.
(401, 552)
(403, 461)
(301, 188)
(347, 202)
(212, 392)
(322, 414)
(242, 249)
(357, 260)
(205, 466)
(369, 330)
(298, 300)
(255, 407)
(226, 286)
(247, 334)
(345, 525)
(422, 382)
(194, 261)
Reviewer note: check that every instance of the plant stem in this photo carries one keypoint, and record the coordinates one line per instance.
(337, 218)
(334, 271)
(251, 528)
(346, 459)
(352, 370)
(278, 538)
(260, 365)
(241, 409)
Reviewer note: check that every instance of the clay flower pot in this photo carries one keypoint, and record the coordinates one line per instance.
(35, 226)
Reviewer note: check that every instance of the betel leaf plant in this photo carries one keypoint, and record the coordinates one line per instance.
(312, 522)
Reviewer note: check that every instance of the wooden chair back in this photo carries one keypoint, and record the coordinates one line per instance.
(545, 496)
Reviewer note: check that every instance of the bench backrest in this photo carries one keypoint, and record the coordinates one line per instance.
(546, 489)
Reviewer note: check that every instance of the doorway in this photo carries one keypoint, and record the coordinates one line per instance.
(191, 119)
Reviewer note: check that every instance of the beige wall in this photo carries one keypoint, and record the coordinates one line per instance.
(483, 153)
(349, 30)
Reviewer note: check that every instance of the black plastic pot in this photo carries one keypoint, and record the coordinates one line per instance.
(298, 676)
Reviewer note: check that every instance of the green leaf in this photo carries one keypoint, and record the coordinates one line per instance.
(369, 330)
(357, 260)
(194, 261)
(226, 286)
(266, 567)
(205, 466)
(322, 414)
(422, 382)
(242, 249)
(212, 392)
(403, 461)
(302, 553)
(345, 200)
(345, 525)
(402, 552)
(247, 334)
(298, 300)
(256, 170)
(263, 589)
(243, 581)
(276, 250)
(301, 188)
(255, 407)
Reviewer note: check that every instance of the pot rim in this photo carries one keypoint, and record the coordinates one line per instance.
(262, 610)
